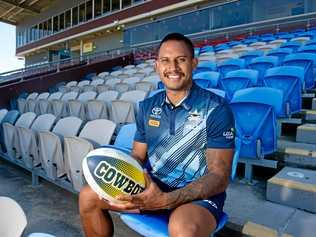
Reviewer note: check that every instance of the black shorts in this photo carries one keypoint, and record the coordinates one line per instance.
(213, 204)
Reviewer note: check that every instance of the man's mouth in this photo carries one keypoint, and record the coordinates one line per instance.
(175, 76)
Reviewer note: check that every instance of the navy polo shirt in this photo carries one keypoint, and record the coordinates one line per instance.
(177, 137)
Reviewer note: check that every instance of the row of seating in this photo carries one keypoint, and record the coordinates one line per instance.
(120, 108)
(57, 146)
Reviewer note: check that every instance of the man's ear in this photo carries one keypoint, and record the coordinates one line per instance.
(156, 66)
(195, 62)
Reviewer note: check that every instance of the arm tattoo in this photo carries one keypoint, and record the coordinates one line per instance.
(206, 186)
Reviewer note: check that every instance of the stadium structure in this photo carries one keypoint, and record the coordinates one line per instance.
(89, 62)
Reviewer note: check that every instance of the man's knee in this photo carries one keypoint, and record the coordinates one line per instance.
(178, 228)
(88, 200)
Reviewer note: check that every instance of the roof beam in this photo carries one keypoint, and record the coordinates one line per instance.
(22, 6)
(7, 21)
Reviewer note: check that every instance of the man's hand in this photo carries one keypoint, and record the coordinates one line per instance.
(151, 199)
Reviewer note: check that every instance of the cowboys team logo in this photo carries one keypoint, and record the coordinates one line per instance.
(156, 113)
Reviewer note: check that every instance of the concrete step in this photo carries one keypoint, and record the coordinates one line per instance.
(306, 133)
(293, 187)
(310, 115)
(285, 142)
(300, 157)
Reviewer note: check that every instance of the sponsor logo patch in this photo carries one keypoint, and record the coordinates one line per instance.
(153, 123)
(229, 134)
(156, 112)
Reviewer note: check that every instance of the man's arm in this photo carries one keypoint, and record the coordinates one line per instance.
(139, 151)
(219, 162)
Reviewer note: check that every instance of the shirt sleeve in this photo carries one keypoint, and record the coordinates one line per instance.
(140, 125)
(221, 127)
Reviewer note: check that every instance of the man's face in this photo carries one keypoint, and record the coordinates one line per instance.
(175, 65)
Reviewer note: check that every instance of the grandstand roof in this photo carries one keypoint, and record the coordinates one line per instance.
(13, 11)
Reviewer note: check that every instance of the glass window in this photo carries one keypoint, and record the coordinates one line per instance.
(126, 3)
(55, 24)
(97, 8)
(75, 16)
(88, 10)
(67, 19)
(62, 21)
(82, 12)
(41, 30)
(45, 26)
(115, 5)
(49, 26)
(106, 6)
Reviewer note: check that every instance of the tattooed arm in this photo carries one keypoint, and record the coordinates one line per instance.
(215, 181)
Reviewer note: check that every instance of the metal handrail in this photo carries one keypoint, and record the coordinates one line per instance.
(227, 32)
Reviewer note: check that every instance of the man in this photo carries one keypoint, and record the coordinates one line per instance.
(185, 138)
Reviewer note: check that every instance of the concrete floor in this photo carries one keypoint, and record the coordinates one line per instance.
(48, 208)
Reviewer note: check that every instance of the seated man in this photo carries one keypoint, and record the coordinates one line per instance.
(185, 139)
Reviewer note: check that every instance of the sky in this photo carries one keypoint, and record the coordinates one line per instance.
(8, 60)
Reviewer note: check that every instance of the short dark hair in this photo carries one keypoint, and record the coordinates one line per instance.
(178, 37)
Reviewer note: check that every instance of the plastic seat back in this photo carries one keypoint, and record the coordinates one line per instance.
(230, 65)
(307, 62)
(255, 111)
(206, 66)
(292, 45)
(67, 127)
(3, 112)
(289, 80)
(248, 56)
(237, 80)
(207, 79)
(281, 53)
(125, 136)
(262, 64)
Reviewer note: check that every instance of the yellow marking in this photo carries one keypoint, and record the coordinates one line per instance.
(293, 184)
(257, 230)
(153, 123)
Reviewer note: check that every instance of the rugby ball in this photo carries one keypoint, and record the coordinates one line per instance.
(111, 172)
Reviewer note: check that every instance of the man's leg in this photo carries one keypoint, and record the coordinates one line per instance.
(95, 218)
(191, 220)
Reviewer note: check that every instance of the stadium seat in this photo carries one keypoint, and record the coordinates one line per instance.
(96, 82)
(112, 81)
(255, 112)
(3, 112)
(310, 42)
(144, 86)
(207, 48)
(44, 105)
(27, 137)
(87, 88)
(121, 87)
(257, 44)
(307, 61)
(289, 80)
(207, 79)
(94, 134)
(248, 56)
(50, 145)
(72, 83)
(83, 83)
(59, 108)
(102, 75)
(292, 45)
(241, 51)
(307, 49)
(281, 53)
(277, 42)
(102, 88)
(77, 107)
(301, 39)
(286, 36)
(32, 104)
(131, 81)
(221, 47)
(21, 102)
(219, 92)
(131, 71)
(238, 79)
(133, 96)
(122, 112)
(205, 66)
(98, 108)
(10, 133)
(230, 65)
(10, 117)
(261, 64)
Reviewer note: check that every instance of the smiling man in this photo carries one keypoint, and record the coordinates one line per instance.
(182, 141)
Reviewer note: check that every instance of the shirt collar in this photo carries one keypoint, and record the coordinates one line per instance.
(186, 102)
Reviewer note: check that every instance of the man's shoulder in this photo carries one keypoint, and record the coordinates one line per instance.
(155, 99)
(213, 97)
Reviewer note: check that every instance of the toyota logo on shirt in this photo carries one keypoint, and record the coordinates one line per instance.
(156, 112)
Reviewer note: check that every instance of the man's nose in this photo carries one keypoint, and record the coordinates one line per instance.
(173, 64)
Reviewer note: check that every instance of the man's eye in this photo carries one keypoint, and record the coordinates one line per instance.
(163, 60)
(181, 60)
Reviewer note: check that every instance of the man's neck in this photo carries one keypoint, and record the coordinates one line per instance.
(175, 96)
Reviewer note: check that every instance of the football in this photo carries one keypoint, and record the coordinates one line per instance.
(111, 172)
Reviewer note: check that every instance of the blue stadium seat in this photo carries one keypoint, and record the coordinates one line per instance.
(286, 36)
(281, 53)
(205, 66)
(311, 42)
(233, 43)
(230, 65)
(89, 76)
(11, 117)
(207, 79)
(307, 61)
(261, 64)
(13, 101)
(249, 41)
(267, 38)
(255, 112)
(292, 45)
(307, 49)
(248, 56)
(125, 136)
(220, 47)
(207, 48)
(196, 52)
(237, 80)
(289, 80)
(219, 92)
